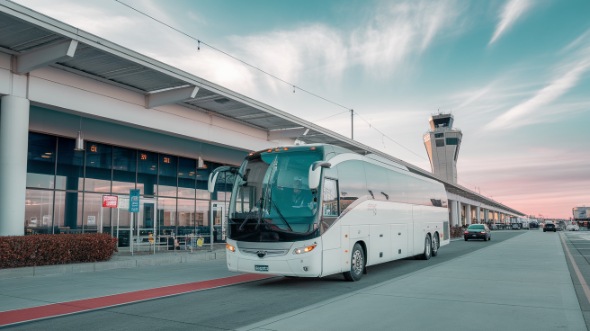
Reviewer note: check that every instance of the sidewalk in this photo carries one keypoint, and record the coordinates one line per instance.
(28, 287)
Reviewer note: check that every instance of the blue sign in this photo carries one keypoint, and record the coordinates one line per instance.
(134, 201)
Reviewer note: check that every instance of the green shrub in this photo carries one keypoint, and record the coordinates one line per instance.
(50, 249)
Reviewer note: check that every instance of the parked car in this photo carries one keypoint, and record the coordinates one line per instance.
(477, 231)
(515, 226)
(573, 227)
(549, 226)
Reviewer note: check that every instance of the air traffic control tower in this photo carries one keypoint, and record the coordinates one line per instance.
(442, 144)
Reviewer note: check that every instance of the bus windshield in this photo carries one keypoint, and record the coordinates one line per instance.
(271, 200)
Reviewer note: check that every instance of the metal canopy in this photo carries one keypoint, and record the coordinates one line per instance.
(35, 40)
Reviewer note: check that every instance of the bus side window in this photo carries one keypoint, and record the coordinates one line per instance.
(330, 206)
(330, 198)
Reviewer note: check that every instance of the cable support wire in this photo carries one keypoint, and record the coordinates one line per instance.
(388, 137)
(295, 87)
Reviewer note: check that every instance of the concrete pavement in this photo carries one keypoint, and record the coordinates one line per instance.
(521, 284)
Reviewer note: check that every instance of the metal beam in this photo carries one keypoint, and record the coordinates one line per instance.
(171, 96)
(44, 56)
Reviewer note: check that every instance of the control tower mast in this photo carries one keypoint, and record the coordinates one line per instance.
(442, 144)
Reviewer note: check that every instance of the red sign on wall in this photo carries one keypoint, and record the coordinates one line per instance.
(110, 201)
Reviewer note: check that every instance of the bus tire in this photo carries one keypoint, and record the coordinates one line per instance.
(357, 264)
(435, 244)
(427, 249)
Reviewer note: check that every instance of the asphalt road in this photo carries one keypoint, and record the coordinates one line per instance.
(235, 306)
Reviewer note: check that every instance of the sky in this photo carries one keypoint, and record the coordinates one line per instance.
(515, 74)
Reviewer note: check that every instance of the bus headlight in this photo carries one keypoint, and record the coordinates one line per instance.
(305, 249)
(230, 248)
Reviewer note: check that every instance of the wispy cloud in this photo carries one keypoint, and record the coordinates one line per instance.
(511, 12)
(399, 31)
(567, 75)
(313, 50)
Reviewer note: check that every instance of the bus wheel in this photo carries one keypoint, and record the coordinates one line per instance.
(427, 249)
(357, 264)
(435, 244)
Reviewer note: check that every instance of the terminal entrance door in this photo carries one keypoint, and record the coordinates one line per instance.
(145, 225)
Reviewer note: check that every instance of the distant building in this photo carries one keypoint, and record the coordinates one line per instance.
(442, 144)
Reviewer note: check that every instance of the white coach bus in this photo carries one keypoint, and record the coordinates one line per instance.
(318, 210)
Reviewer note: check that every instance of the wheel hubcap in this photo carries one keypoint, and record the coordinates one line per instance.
(357, 262)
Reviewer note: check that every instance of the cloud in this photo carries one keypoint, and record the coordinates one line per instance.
(511, 12)
(399, 31)
(315, 50)
(564, 80)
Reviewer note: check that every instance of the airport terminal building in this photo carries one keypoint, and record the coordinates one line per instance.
(86, 125)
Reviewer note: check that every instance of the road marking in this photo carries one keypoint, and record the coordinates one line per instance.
(77, 306)
(577, 270)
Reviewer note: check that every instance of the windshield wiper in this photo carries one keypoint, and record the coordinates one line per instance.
(281, 215)
(247, 218)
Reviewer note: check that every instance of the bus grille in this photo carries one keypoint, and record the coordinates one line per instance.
(265, 252)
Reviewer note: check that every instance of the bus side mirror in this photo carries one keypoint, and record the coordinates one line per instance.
(213, 177)
(315, 172)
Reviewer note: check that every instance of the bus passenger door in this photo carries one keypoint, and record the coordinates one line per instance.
(330, 229)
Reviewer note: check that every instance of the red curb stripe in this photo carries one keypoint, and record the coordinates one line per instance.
(70, 307)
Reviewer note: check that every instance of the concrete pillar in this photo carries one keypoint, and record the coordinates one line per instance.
(454, 213)
(14, 137)
(478, 214)
(468, 214)
(486, 216)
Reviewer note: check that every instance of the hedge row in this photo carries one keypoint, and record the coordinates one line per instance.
(50, 249)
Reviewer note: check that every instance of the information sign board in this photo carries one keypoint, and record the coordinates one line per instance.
(110, 201)
(134, 201)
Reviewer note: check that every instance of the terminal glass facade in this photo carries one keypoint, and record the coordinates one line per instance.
(66, 189)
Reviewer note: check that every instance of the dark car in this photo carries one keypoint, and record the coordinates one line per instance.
(477, 231)
(549, 226)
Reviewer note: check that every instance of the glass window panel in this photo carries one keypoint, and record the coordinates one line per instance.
(38, 212)
(147, 172)
(41, 161)
(452, 141)
(167, 181)
(187, 174)
(98, 167)
(377, 182)
(186, 217)
(330, 198)
(124, 168)
(167, 215)
(202, 217)
(203, 176)
(91, 219)
(352, 181)
(59, 212)
(69, 165)
(40, 180)
(122, 216)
